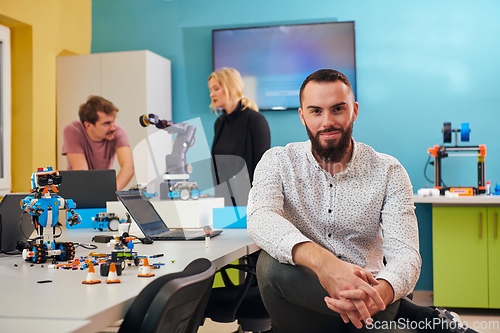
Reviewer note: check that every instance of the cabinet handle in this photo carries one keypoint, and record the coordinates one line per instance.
(480, 225)
(495, 215)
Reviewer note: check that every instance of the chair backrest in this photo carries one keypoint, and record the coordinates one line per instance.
(242, 302)
(172, 303)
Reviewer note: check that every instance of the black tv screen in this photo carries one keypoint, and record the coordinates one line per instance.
(273, 61)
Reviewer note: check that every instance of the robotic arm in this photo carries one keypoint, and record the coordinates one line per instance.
(176, 161)
(176, 178)
(70, 206)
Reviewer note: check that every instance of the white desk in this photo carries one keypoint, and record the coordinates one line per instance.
(8, 325)
(93, 307)
(477, 200)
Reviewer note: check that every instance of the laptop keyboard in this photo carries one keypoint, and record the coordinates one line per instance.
(180, 234)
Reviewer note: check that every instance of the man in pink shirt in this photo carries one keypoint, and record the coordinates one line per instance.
(93, 142)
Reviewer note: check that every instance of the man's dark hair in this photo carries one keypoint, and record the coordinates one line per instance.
(88, 110)
(325, 75)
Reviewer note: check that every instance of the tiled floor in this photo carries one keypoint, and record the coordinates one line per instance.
(484, 320)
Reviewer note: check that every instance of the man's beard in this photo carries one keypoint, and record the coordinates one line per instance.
(332, 152)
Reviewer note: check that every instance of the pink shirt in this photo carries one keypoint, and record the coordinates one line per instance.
(99, 155)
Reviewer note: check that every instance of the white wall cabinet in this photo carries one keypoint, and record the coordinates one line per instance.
(137, 82)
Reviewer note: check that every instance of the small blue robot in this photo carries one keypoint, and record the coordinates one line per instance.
(106, 220)
(43, 204)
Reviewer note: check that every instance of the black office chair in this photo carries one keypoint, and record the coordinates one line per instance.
(173, 303)
(241, 303)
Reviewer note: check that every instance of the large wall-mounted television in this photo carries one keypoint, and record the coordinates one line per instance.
(274, 60)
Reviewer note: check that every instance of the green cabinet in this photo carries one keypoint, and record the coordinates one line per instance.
(466, 255)
(494, 257)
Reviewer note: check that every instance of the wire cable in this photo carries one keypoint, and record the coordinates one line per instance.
(425, 170)
(86, 246)
(425, 173)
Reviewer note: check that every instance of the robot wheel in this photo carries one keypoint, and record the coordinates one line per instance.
(67, 251)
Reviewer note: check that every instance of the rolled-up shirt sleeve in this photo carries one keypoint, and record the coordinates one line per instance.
(266, 223)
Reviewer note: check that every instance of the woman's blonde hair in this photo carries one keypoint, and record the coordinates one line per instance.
(230, 80)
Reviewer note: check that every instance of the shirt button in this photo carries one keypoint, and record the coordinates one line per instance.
(331, 185)
(329, 211)
(329, 235)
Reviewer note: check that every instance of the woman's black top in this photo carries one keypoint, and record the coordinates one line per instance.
(241, 136)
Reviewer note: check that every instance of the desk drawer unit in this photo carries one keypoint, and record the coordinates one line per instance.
(466, 255)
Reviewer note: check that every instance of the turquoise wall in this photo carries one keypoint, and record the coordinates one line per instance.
(419, 64)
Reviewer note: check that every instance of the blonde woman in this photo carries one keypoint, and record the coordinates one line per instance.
(239, 131)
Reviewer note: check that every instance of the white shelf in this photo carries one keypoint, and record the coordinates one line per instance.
(464, 200)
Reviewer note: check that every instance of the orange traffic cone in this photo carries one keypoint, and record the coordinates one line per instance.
(112, 276)
(145, 269)
(91, 277)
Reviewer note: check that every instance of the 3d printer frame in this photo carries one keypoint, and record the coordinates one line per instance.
(439, 152)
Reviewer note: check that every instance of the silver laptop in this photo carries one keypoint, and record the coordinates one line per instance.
(150, 222)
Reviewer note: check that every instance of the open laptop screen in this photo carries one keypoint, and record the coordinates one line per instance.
(88, 188)
(14, 225)
(143, 212)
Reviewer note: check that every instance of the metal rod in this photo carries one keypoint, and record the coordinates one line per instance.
(454, 155)
(461, 148)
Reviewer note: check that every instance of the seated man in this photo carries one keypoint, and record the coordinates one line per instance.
(326, 213)
(92, 142)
